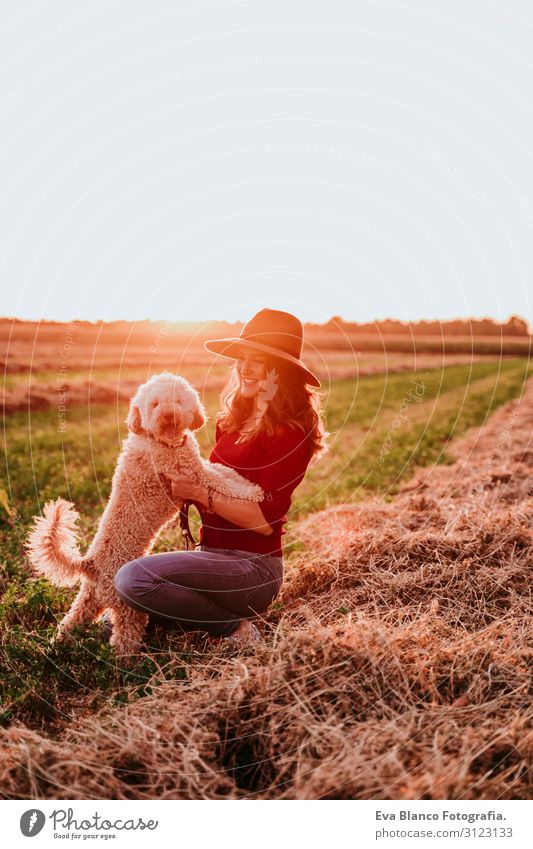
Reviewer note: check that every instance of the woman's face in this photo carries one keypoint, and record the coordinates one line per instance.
(251, 369)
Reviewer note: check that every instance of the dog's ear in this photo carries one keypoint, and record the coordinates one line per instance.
(199, 418)
(134, 419)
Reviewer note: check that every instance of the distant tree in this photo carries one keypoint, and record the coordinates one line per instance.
(335, 323)
(516, 326)
(469, 327)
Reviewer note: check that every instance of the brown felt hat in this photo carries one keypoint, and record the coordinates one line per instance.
(274, 332)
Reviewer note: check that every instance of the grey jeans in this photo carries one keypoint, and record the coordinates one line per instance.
(205, 589)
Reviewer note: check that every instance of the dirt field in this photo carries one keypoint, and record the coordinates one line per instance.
(398, 663)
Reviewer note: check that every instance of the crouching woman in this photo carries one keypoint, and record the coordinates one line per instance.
(269, 428)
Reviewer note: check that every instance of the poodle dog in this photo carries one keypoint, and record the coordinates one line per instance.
(162, 415)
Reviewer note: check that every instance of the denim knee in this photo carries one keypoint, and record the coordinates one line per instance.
(123, 581)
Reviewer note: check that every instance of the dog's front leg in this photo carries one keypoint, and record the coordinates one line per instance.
(230, 483)
(168, 486)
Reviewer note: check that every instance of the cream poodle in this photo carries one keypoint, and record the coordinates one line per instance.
(162, 415)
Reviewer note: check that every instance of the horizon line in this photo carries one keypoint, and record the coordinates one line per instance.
(332, 319)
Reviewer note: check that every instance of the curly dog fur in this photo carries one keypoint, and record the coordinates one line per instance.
(163, 413)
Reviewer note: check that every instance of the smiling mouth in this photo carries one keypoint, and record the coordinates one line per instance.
(247, 381)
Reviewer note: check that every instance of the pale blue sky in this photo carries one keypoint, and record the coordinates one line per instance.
(203, 160)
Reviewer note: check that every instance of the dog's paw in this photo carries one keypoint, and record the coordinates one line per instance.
(126, 662)
(126, 651)
(126, 659)
(63, 637)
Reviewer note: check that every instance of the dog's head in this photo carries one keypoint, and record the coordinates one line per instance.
(164, 407)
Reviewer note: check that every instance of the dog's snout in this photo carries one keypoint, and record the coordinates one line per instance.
(169, 422)
(167, 417)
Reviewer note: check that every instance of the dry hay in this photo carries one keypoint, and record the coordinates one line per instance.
(399, 666)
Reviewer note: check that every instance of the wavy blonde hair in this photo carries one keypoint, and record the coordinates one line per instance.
(294, 403)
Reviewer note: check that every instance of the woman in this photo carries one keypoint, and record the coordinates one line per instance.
(268, 429)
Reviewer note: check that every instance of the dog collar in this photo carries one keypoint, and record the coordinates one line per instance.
(179, 444)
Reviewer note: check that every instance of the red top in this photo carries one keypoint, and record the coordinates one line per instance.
(278, 464)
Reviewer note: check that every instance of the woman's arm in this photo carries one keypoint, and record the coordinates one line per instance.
(244, 514)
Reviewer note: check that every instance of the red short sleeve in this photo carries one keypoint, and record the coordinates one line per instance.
(283, 466)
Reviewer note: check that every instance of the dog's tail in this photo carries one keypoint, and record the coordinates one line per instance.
(52, 547)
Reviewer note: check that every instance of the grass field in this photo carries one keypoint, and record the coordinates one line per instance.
(381, 428)
(43, 463)
(40, 359)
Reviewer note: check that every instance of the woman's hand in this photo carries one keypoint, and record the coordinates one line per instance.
(186, 488)
(243, 514)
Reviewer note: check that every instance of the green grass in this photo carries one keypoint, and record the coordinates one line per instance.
(360, 462)
(41, 682)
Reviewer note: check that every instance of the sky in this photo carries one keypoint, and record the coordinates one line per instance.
(355, 159)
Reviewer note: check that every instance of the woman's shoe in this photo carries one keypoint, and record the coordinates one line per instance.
(256, 635)
(106, 626)
(253, 636)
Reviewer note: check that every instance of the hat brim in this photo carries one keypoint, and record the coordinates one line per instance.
(232, 346)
